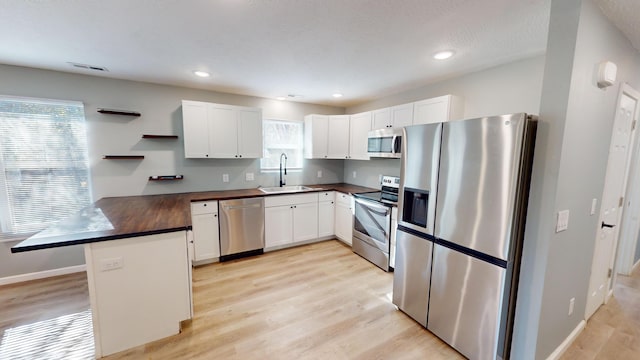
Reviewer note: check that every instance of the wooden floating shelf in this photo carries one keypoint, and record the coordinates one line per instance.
(118, 112)
(123, 157)
(151, 136)
(165, 177)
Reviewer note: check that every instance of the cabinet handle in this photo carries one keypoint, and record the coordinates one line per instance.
(204, 204)
(215, 215)
(206, 155)
(239, 155)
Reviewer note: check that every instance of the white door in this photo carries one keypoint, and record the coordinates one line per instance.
(278, 225)
(381, 119)
(338, 139)
(196, 133)
(431, 110)
(402, 115)
(305, 221)
(359, 127)
(612, 201)
(206, 241)
(223, 131)
(630, 223)
(250, 134)
(326, 218)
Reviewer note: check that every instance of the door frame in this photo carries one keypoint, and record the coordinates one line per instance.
(628, 235)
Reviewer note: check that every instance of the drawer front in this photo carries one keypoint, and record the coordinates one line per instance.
(280, 200)
(342, 198)
(327, 196)
(204, 207)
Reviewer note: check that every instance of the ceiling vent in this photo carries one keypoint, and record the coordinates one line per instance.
(88, 67)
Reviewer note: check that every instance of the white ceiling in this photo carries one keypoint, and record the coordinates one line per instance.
(365, 49)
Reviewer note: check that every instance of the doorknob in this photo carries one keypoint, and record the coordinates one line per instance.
(604, 225)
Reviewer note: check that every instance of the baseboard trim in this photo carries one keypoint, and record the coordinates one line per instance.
(567, 342)
(42, 274)
(634, 267)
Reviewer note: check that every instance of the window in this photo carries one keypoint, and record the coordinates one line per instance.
(44, 164)
(282, 137)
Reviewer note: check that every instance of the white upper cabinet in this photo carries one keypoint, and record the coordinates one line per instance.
(194, 119)
(439, 109)
(382, 118)
(402, 115)
(316, 134)
(338, 139)
(221, 131)
(359, 127)
(326, 136)
(393, 117)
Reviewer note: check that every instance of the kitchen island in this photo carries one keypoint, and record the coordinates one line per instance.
(138, 262)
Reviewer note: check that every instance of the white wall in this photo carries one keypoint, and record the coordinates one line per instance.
(160, 106)
(504, 89)
(574, 133)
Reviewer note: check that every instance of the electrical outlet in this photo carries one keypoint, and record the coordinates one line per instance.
(572, 303)
(319, 173)
(594, 205)
(562, 223)
(225, 177)
(354, 174)
(249, 177)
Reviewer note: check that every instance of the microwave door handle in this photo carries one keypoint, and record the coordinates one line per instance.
(394, 142)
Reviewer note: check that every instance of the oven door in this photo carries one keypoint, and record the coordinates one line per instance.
(372, 224)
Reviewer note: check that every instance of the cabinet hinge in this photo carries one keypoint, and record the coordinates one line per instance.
(621, 202)
(633, 125)
(609, 273)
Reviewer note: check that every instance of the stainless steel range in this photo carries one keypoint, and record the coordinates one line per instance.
(372, 222)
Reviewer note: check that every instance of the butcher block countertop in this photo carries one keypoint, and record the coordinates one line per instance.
(130, 216)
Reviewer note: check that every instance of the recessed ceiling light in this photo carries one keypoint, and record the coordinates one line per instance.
(202, 74)
(337, 95)
(281, 98)
(443, 55)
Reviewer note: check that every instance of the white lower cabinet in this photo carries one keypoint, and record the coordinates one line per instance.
(326, 214)
(344, 217)
(206, 237)
(290, 219)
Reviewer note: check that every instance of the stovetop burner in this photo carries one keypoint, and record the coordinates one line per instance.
(388, 195)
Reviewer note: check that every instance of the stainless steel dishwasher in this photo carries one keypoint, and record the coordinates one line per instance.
(241, 228)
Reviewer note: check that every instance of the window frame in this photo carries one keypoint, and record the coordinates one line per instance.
(6, 213)
(264, 147)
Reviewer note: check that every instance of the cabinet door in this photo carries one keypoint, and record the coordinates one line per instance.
(381, 119)
(278, 225)
(326, 218)
(195, 129)
(223, 131)
(316, 132)
(206, 239)
(344, 222)
(338, 137)
(305, 221)
(250, 133)
(360, 125)
(402, 115)
(431, 110)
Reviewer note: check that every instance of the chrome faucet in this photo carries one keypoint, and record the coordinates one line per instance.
(283, 182)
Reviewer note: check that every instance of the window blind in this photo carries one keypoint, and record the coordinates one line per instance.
(44, 163)
(282, 137)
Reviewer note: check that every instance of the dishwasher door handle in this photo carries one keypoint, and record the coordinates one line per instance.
(239, 207)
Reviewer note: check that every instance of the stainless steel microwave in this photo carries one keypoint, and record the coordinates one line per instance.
(385, 143)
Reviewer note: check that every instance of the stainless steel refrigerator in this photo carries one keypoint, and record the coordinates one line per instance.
(467, 204)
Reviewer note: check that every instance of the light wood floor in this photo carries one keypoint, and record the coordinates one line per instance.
(318, 301)
(613, 332)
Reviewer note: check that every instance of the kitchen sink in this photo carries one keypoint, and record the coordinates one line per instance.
(285, 189)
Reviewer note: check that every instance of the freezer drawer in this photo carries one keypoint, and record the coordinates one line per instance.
(412, 275)
(465, 307)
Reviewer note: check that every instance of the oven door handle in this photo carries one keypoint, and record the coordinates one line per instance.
(370, 204)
